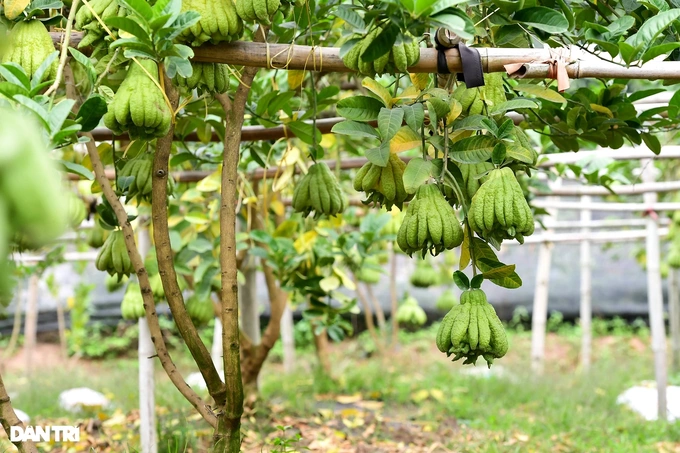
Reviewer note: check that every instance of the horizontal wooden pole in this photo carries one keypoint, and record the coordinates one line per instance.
(327, 59)
(606, 223)
(633, 189)
(602, 236)
(616, 207)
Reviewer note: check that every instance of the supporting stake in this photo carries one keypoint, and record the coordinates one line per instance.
(288, 339)
(539, 315)
(586, 290)
(145, 352)
(654, 294)
(674, 315)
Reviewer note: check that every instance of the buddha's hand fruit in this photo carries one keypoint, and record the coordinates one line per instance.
(472, 329)
(219, 22)
(136, 175)
(200, 311)
(499, 209)
(139, 107)
(319, 192)
(205, 78)
(113, 256)
(429, 224)
(384, 186)
(260, 11)
(132, 306)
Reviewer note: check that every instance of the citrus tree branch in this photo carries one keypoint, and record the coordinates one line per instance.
(164, 255)
(64, 49)
(149, 305)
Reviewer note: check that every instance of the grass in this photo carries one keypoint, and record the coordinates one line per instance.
(509, 410)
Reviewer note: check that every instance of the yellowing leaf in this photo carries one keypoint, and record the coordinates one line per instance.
(197, 218)
(283, 179)
(328, 141)
(329, 284)
(349, 399)
(541, 92)
(295, 79)
(15, 7)
(209, 184)
(278, 207)
(404, 140)
(419, 396)
(192, 196)
(420, 80)
(346, 281)
(290, 157)
(175, 220)
(437, 394)
(379, 90)
(306, 241)
(410, 92)
(455, 111)
(286, 229)
(602, 109)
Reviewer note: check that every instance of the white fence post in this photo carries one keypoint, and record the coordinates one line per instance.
(288, 339)
(586, 290)
(145, 352)
(674, 315)
(654, 294)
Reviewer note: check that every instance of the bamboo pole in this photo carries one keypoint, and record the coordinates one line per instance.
(288, 339)
(655, 296)
(586, 290)
(145, 353)
(674, 315)
(327, 59)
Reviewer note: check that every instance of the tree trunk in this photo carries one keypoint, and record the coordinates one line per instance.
(321, 345)
(16, 326)
(379, 313)
(8, 418)
(368, 313)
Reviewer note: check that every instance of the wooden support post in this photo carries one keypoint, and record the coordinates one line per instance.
(288, 339)
(654, 294)
(31, 322)
(586, 290)
(674, 315)
(250, 309)
(539, 316)
(145, 353)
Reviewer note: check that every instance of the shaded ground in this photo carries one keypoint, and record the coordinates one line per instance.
(413, 400)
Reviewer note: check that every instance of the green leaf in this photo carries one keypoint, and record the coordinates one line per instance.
(417, 172)
(513, 104)
(9, 90)
(542, 18)
(460, 24)
(305, 131)
(497, 269)
(473, 150)
(414, 115)
(520, 153)
(498, 154)
(43, 68)
(620, 26)
(652, 142)
(628, 52)
(77, 169)
(36, 108)
(382, 43)
(477, 281)
(652, 27)
(641, 94)
(661, 49)
(14, 73)
(441, 5)
(541, 92)
(59, 113)
(92, 110)
(130, 26)
(359, 108)
(86, 62)
(355, 129)
(379, 156)
(389, 122)
(349, 15)
(461, 280)
(140, 7)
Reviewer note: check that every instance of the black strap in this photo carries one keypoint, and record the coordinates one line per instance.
(472, 75)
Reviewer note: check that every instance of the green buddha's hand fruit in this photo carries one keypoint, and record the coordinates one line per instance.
(319, 191)
(139, 107)
(384, 186)
(219, 22)
(29, 45)
(113, 256)
(429, 224)
(499, 209)
(472, 329)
